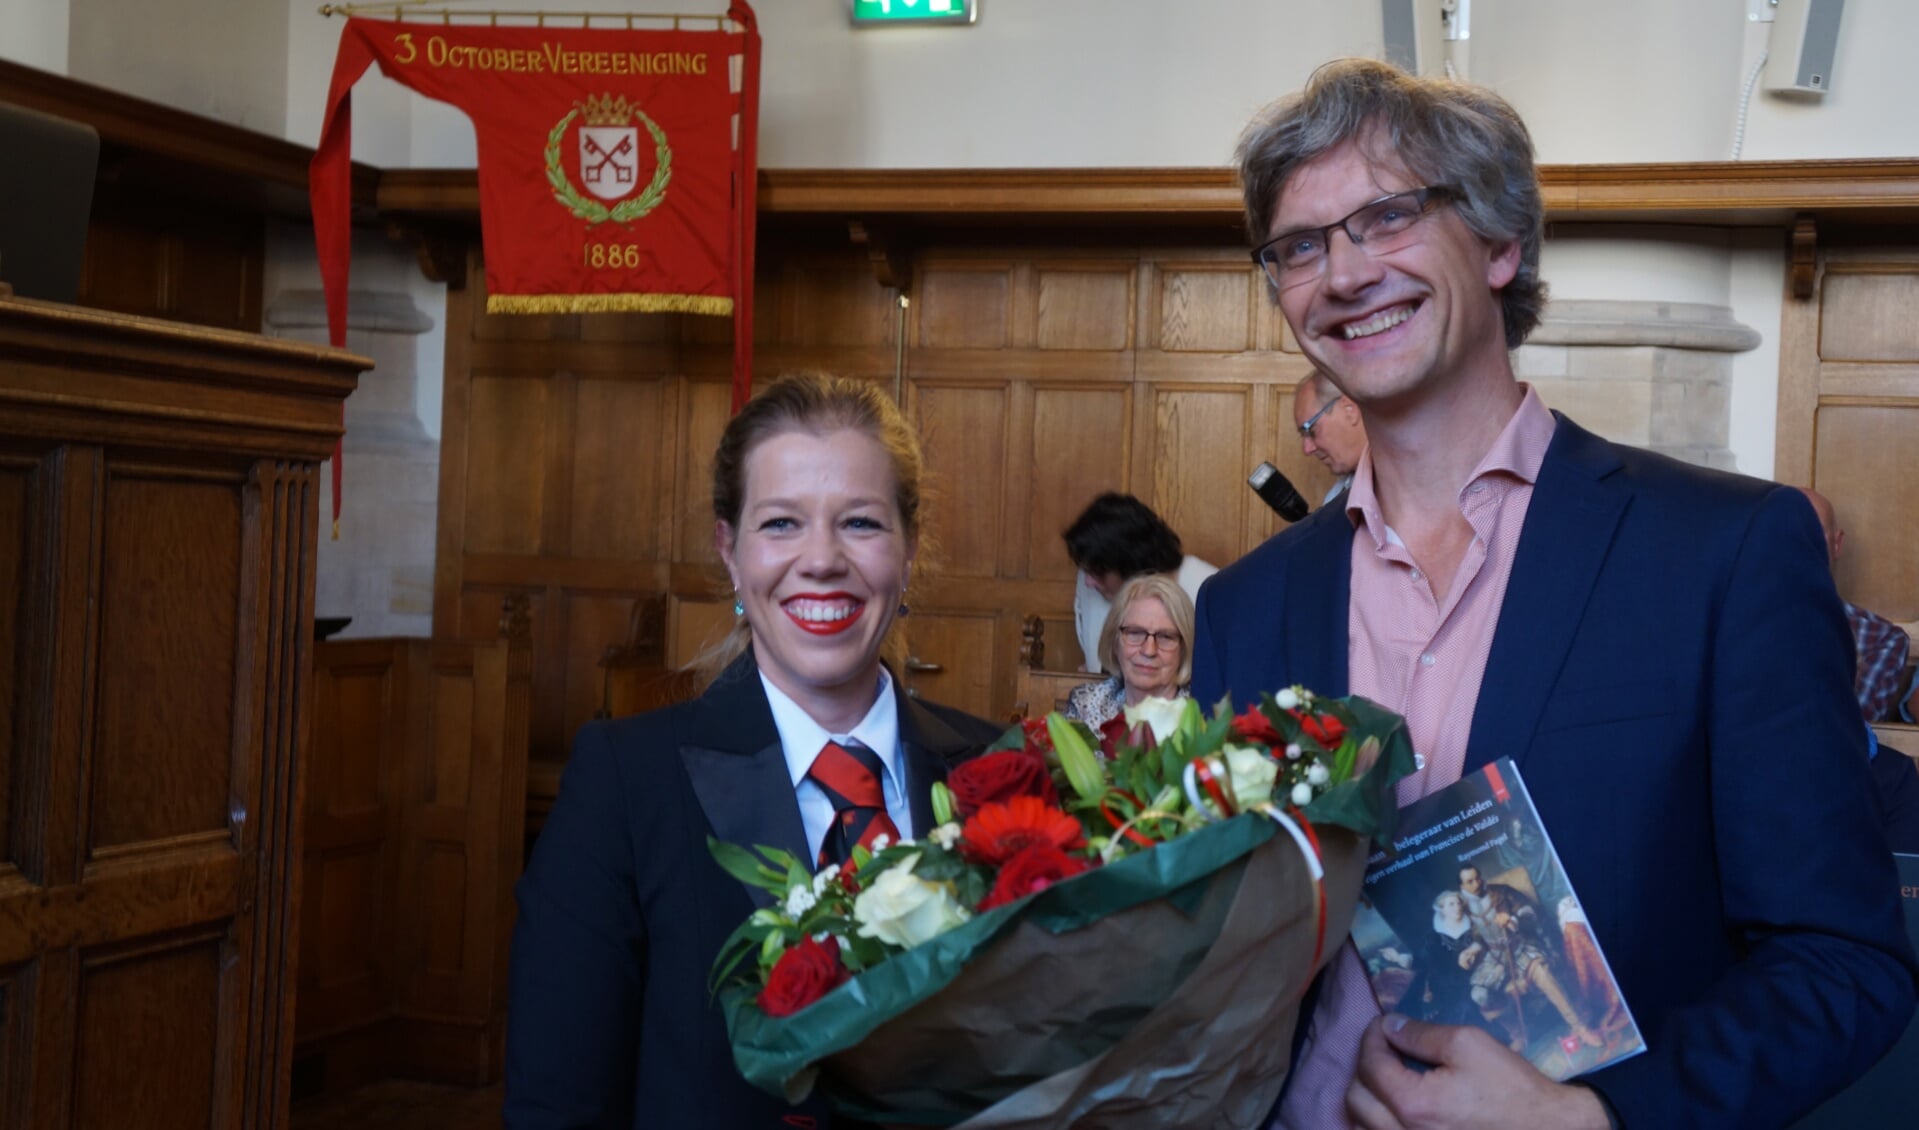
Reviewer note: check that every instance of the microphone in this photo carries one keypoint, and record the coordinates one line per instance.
(1279, 494)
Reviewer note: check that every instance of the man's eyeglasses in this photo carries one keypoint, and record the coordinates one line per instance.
(1383, 225)
(1137, 637)
(1312, 421)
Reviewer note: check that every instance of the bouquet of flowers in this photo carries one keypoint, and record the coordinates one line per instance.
(1115, 926)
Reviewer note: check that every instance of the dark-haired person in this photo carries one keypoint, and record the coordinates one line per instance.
(803, 742)
(1658, 647)
(1116, 538)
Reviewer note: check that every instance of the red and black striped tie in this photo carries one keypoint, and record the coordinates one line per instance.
(849, 775)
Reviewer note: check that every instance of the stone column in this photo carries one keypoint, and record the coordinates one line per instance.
(1652, 374)
(380, 571)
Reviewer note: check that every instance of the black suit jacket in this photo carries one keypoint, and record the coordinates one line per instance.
(622, 909)
(1672, 673)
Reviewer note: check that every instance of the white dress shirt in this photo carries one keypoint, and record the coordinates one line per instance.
(801, 739)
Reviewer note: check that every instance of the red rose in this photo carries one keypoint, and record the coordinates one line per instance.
(1111, 733)
(1252, 725)
(802, 975)
(1034, 869)
(1325, 729)
(1039, 739)
(996, 778)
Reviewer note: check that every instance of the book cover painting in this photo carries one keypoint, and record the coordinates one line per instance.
(1469, 919)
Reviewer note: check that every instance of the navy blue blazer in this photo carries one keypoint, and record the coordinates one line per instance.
(622, 909)
(1672, 673)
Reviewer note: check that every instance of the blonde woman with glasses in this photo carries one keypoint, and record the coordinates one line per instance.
(1148, 639)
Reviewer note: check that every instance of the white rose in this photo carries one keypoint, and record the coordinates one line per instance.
(1302, 794)
(904, 910)
(1252, 773)
(1161, 716)
(1318, 774)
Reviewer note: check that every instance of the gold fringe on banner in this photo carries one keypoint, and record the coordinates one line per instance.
(608, 304)
(417, 10)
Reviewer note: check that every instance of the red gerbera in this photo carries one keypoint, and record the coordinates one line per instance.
(1034, 869)
(998, 832)
(1252, 725)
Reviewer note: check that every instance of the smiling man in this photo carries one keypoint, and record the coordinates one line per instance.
(1509, 582)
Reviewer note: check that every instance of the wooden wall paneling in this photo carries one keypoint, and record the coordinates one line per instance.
(1082, 445)
(706, 406)
(1085, 305)
(352, 843)
(170, 613)
(1798, 386)
(693, 626)
(449, 541)
(621, 478)
(964, 304)
(962, 428)
(144, 1013)
(1866, 453)
(1194, 454)
(1849, 414)
(967, 652)
(16, 494)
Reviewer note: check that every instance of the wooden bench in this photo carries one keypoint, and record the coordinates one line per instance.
(1036, 690)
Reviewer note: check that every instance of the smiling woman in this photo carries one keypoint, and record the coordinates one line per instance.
(800, 742)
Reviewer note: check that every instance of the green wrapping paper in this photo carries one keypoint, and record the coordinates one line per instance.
(1161, 989)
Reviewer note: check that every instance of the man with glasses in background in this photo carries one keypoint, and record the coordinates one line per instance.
(1658, 648)
(1330, 430)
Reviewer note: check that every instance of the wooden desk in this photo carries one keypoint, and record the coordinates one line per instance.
(159, 509)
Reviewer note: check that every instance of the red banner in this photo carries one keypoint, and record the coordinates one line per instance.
(616, 165)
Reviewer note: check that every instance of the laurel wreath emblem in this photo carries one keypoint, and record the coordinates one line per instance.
(592, 211)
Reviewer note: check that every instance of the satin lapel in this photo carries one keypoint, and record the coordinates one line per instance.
(1319, 588)
(733, 757)
(1570, 524)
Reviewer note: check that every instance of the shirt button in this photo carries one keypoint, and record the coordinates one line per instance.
(1419, 761)
(1415, 574)
(1427, 660)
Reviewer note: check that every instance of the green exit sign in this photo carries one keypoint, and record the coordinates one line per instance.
(883, 13)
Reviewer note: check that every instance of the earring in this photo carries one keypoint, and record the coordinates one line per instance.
(739, 606)
(904, 610)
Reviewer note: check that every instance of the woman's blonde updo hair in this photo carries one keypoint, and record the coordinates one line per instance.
(816, 403)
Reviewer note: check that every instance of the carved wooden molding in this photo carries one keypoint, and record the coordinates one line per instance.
(159, 146)
(886, 250)
(1744, 193)
(439, 246)
(1805, 256)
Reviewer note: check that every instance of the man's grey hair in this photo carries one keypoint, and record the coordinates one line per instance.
(1441, 132)
(1321, 386)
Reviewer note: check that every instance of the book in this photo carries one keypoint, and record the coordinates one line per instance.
(1888, 1094)
(1468, 918)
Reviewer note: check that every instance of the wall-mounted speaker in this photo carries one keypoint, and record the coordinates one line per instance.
(1805, 40)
